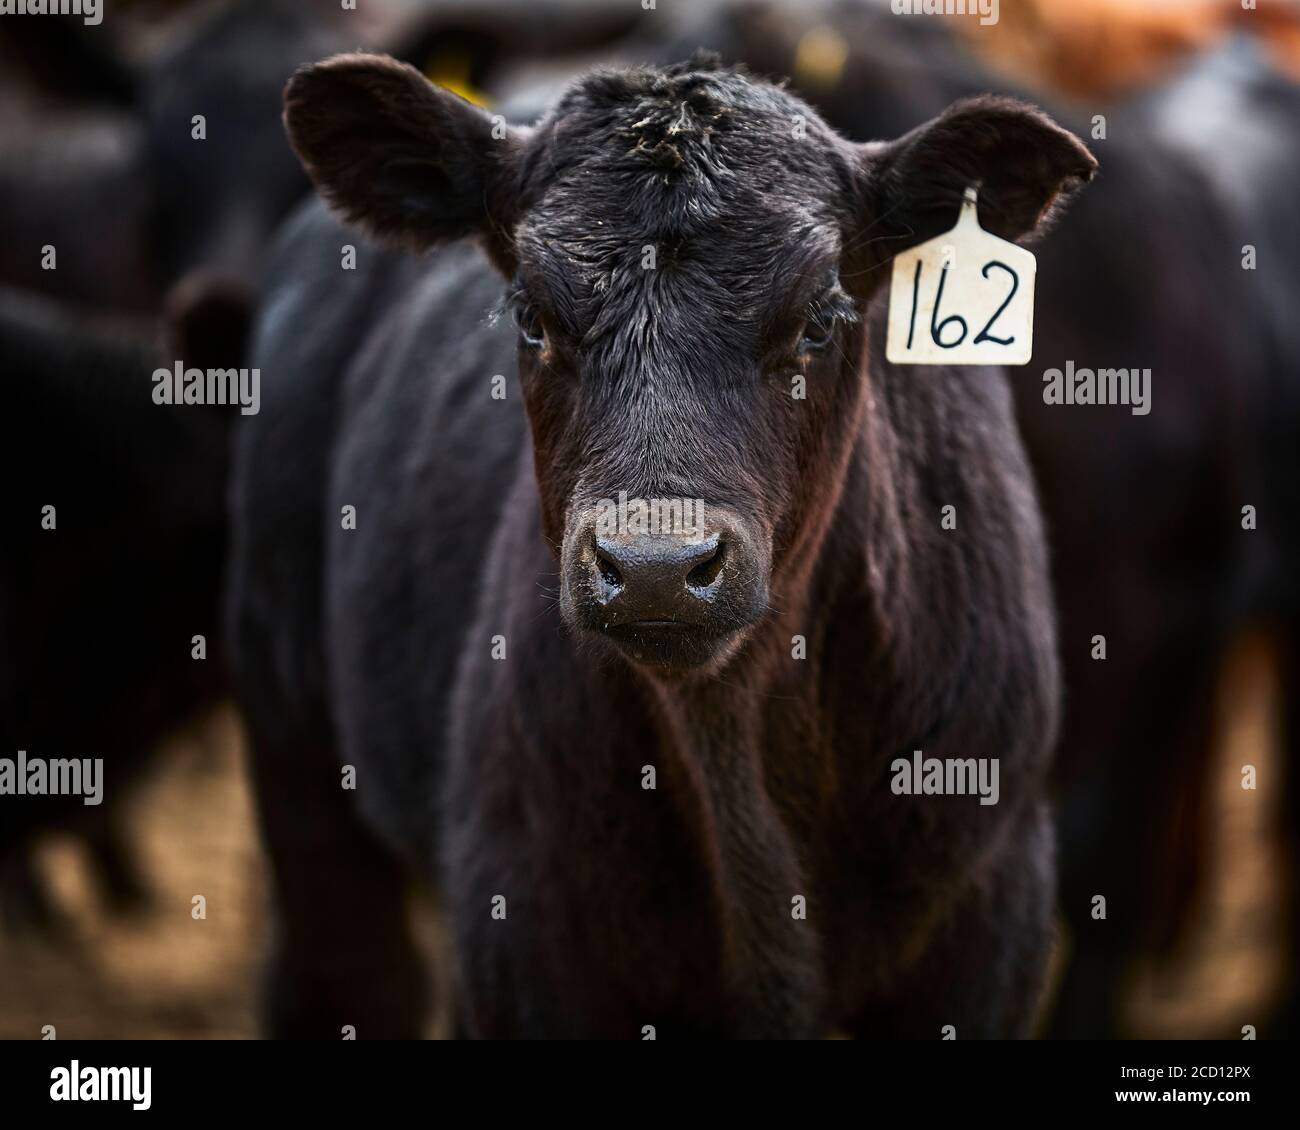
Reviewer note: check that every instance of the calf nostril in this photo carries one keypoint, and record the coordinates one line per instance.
(608, 570)
(706, 572)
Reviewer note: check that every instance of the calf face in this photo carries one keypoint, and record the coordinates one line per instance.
(689, 253)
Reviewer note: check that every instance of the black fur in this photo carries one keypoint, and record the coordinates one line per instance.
(522, 777)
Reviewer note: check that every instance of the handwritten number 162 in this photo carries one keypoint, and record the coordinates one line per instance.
(938, 328)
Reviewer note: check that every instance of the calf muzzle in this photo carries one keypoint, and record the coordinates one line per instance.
(667, 598)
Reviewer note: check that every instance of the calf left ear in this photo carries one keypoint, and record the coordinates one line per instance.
(1021, 162)
(411, 163)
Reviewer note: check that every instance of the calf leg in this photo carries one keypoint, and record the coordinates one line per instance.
(1133, 831)
(1286, 1024)
(26, 904)
(344, 952)
(983, 973)
(111, 854)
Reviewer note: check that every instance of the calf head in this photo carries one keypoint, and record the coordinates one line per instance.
(680, 245)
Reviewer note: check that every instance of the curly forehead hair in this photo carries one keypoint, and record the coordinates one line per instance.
(710, 166)
(691, 123)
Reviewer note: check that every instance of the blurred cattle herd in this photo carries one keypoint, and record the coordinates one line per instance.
(158, 240)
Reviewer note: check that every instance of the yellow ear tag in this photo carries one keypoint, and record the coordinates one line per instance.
(451, 72)
(963, 298)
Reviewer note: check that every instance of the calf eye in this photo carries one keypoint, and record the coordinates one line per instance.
(817, 333)
(531, 332)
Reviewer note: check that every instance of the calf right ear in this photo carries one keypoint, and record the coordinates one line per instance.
(410, 163)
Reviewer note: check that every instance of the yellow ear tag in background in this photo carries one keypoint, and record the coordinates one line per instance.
(451, 71)
(963, 298)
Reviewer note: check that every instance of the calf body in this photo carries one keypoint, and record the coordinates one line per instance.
(641, 807)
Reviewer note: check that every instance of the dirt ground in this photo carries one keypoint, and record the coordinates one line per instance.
(160, 973)
(156, 972)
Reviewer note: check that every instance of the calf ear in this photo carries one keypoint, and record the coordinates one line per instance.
(410, 163)
(1021, 162)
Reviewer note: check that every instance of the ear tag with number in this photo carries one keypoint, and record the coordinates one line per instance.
(963, 298)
